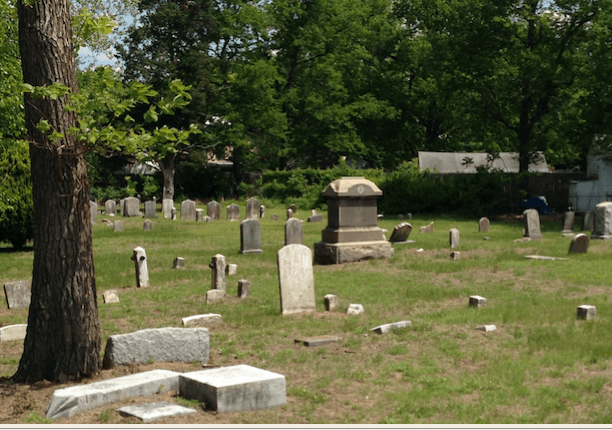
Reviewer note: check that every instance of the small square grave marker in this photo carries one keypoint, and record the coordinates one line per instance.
(331, 302)
(179, 263)
(486, 328)
(214, 296)
(110, 296)
(586, 312)
(244, 288)
(478, 301)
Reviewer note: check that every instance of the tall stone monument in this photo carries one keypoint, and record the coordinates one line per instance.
(352, 232)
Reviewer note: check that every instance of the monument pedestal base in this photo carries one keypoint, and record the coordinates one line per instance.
(339, 253)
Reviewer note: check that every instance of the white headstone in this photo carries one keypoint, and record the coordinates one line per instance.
(140, 263)
(296, 279)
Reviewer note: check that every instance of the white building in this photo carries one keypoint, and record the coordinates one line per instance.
(585, 195)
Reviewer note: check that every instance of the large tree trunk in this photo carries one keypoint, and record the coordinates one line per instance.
(167, 168)
(63, 336)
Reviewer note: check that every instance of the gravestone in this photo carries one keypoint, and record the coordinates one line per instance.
(214, 296)
(140, 263)
(355, 309)
(531, 218)
(250, 237)
(110, 296)
(131, 207)
(203, 320)
(18, 294)
(587, 221)
(188, 208)
(179, 263)
(289, 213)
(455, 255)
(602, 228)
(118, 226)
(252, 208)
(207, 219)
(293, 231)
(244, 288)
(293, 208)
(318, 340)
(173, 214)
(93, 209)
(580, 244)
(426, 229)
(13, 332)
(231, 269)
(150, 412)
(233, 212)
(295, 279)
(400, 233)
(167, 205)
(331, 302)
(385, 328)
(213, 210)
(122, 206)
(274, 217)
(586, 312)
(477, 301)
(110, 208)
(454, 238)
(400, 217)
(218, 272)
(483, 224)
(487, 328)
(567, 226)
(150, 207)
(262, 211)
(352, 232)
(199, 215)
(148, 225)
(315, 218)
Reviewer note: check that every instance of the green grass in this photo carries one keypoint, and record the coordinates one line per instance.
(540, 366)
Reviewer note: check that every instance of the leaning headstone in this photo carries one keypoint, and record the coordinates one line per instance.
(427, 228)
(355, 309)
(477, 301)
(240, 388)
(231, 269)
(118, 225)
(586, 312)
(296, 279)
(203, 320)
(315, 218)
(289, 213)
(110, 296)
(213, 210)
(13, 332)
(183, 345)
(218, 272)
(67, 402)
(140, 263)
(331, 302)
(150, 207)
(18, 294)
(580, 244)
(400, 233)
(385, 328)
(148, 225)
(150, 412)
(587, 221)
(293, 231)
(262, 211)
(110, 207)
(188, 208)
(483, 224)
(252, 208)
(199, 215)
(214, 296)
(93, 208)
(167, 205)
(531, 218)
(568, 222)
(131, 207)
(173, 214)
(233, 212)
(250, 237)
(179, 263)
(602, 228)
(274, 217)
(454, 238)
(244, 288)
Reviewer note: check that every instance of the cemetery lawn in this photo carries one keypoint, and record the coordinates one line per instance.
(541, 365)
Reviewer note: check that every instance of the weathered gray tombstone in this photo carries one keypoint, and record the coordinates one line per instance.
(262, 211)
(331, 302)
(586, 312)
(587, 221)
(140, 264)
(531, 218)
(274, 217)
(93, 209)
(213, 210)
(214, 296)
(352, 232)
(400, 233)
(218, 272)
(150, 208)
(150, 412)
(179, 263)
(233, 212)
(250, 237)
(188, 208)
(454, 238)
(122, 206)
(293, 231)
(131, 206)
(567, 226)
(231, 269)
(426, 229)
(167, 205)
(483, 224)
(18, 294)
(148, 225)
(244, 288)
(315, 218)
(207, 219)
(173, 214)
(110, 296)
(199, 215)
(252, 208)
(13, 332)
(289, 213)
(602, 228)
(293, 208)
(455, 255)
(295, 279)
(110, 207)
(118, 226)
(477, 301)
(580, 244)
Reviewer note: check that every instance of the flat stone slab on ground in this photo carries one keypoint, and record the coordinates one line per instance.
(318, 340)
(388, 327)
(487, 328)
(160, 344)
(543, 257)
(238, 388)
(154, 411)
(18, 294)
(77, 399)
(13, 332)
(201, 320)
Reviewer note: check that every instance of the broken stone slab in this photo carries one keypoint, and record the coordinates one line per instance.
(154, 411)
(77, 399)
(315, 218)
(543, 257)
(388, 327)
(586, 312)
(202, 320)
(18, 294)
(318, 340)
(110, 296)
(486, 328)
(355, 309)
(477, 301)
(238, 388)
(160, 344)
(214, 296)
(13, 332)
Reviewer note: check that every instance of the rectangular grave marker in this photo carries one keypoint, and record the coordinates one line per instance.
(18, 294)
(296, 279)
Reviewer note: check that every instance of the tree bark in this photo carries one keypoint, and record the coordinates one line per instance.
(63, 337)
(168, 168)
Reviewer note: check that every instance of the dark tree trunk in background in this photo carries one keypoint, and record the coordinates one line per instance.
(63, 336)
(167, 168)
